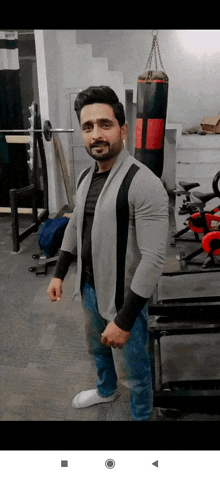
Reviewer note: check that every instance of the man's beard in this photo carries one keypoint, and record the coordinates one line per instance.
(96, 150)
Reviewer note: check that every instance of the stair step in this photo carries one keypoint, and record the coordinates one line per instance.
(98, 72)
(90, 70)
(84, 46)
(101, 60)
(81, 60)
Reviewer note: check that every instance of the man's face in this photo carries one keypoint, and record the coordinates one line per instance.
(101, 132)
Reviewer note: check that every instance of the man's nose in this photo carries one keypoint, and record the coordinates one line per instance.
(97, 132)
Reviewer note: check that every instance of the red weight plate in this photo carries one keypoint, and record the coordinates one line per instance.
(208, 239)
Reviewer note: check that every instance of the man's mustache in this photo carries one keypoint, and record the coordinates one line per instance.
(100, 143)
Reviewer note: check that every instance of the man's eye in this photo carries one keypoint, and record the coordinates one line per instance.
(106, 125)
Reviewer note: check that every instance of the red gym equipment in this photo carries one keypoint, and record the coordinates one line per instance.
(211, 243)
(202, 222)
(196, 221)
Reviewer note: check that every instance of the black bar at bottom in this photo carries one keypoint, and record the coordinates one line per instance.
(14, 217)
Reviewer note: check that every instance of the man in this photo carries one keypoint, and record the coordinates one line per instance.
(118, 230)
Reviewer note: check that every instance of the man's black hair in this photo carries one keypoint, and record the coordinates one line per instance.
(100, 94)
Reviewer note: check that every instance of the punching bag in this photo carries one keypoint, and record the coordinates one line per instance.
(152, 94)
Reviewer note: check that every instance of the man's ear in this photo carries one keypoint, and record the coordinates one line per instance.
(124, 131)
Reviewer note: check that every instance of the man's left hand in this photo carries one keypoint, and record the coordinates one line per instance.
(114, 336)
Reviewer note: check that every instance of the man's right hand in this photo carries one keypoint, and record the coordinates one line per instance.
(54, 290)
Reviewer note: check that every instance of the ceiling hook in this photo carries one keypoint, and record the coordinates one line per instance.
(152, 33)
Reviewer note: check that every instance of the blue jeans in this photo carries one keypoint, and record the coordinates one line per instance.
(137, 359)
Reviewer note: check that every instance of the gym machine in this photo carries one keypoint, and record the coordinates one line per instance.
(185, 189)
(208, 224)
(184, 326)
(35, 139)
(195, 201)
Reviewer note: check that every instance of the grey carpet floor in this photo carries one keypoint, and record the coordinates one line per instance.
(44, 361)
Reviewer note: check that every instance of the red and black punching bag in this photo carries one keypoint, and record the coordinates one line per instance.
(152, 94)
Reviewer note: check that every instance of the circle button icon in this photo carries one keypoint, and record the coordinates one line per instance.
(110, 463)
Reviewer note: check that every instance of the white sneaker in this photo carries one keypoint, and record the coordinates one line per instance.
(91, 397)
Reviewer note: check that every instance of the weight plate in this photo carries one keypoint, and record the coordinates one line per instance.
(47, 130)
(211, 243)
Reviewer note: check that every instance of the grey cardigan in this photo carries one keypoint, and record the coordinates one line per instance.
(129, 233)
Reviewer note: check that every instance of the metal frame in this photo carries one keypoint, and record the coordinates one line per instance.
(164, 393)
(176, 318)
(30, 190)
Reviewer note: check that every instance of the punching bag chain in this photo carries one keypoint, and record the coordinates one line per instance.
(155, 49)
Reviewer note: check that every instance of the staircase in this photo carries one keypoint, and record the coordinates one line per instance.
(88, 70)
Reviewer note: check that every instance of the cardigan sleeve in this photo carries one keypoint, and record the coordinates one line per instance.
(69, 242)
(63, 263)
(130, 310)
(150, 203)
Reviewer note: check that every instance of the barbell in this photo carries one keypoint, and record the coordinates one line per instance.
(47, 130)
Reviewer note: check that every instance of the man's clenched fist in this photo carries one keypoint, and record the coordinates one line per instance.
(54, 290)
(114, 336)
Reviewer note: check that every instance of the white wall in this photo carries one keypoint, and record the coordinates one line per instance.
(54, 67)
(191, 60)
